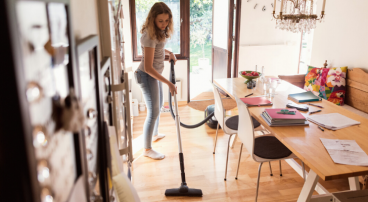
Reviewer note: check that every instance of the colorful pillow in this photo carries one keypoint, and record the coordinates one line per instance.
(327, 83)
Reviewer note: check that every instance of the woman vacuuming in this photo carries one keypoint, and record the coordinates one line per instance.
(157, 28)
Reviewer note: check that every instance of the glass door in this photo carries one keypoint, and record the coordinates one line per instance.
(200, 48)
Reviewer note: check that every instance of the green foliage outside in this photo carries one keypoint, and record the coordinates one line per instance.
(196, 53)
(200, 31)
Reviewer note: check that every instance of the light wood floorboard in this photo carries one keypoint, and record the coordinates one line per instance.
(205, 170)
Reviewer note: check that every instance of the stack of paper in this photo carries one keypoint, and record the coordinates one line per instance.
(345, 152)
(333, 121)
(276, 119)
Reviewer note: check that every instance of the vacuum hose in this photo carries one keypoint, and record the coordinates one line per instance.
(172, 79)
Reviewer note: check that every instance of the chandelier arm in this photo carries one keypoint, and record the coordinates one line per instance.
(321, 16)
(292, 1)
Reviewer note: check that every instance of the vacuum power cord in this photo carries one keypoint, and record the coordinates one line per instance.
(172, 79)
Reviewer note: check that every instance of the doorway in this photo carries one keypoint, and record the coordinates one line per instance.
(200, 48)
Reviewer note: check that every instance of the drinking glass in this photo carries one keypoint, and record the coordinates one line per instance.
(266, 87)
(273, 86)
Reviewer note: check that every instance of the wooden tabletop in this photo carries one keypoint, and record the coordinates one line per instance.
(304, 141)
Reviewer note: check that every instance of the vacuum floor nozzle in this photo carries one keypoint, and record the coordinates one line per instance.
(179, 192)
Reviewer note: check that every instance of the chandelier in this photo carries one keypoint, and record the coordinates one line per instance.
(298, 15)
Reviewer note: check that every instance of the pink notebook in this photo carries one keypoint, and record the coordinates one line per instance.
(256, 101)
(274, 115)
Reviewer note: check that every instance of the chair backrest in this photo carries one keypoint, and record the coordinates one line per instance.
(219, 108)
(245, 128)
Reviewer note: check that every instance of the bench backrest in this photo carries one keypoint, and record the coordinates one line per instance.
(357, 89)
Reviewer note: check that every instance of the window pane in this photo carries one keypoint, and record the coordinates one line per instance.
(200, 47)
(306, 52)
(142, 8)
(220, 24)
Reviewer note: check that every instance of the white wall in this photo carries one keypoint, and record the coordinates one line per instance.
(127, 34)
(262, 44)
(84, 18)
(343, 38)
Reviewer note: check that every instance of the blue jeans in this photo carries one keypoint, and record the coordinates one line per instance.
(153, 96)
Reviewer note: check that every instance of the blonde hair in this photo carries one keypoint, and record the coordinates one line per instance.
(150, 26)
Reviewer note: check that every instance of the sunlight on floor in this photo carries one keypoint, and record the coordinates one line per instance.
(200, 81)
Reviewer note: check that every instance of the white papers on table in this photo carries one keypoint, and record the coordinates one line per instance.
(333, 121)
(345, 152)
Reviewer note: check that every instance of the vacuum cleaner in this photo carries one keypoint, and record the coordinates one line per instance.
(183, 190)
(172, 79)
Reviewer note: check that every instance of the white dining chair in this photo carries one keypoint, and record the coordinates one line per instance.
(265, 148)
(228, 124)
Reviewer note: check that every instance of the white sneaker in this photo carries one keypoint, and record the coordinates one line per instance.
(153, 154)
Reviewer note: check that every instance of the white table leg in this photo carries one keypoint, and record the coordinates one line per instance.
(308, 187)
(319, 188)
(354, 183)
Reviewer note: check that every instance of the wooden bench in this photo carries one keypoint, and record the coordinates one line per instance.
(356, 99)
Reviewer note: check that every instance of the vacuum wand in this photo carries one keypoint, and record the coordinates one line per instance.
(183, 190)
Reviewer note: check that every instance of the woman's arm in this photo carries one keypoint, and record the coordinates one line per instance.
(148, 68)
(171, 56)
(167, 52)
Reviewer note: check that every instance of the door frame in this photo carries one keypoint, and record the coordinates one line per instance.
(231, 37)
(237, 38)
(229, 40)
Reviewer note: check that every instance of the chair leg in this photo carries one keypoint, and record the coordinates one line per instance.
(233, 142)
(270, 168)
(365, 182)
(303, 171)
(216, 138)
(227, 157)
(237, 170)
(259, 174)
(280, 168)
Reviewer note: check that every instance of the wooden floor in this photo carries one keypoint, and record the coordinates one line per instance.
(205, 170)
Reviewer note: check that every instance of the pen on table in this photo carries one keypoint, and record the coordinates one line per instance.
(248, 95)
(315, 105)
(321, 128)
(315, 112)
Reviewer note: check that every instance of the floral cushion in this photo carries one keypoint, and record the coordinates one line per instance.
(327, 83)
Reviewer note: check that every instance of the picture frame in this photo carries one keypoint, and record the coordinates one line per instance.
(41, 168)
(92, 92)
(107, 92)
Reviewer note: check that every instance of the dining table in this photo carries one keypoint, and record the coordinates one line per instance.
(304, 141)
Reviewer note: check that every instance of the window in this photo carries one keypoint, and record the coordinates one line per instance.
(305, 52)
(139, 11)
